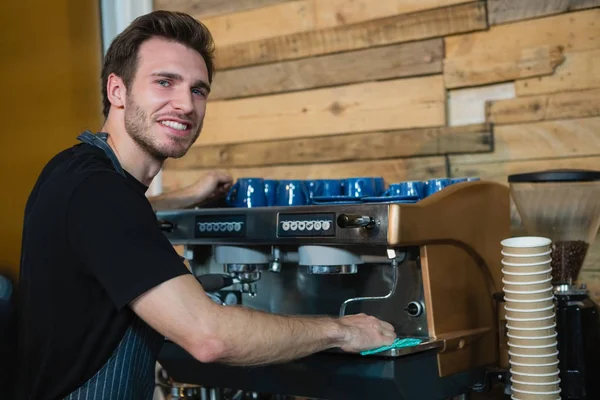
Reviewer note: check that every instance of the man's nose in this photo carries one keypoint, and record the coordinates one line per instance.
(183, 101)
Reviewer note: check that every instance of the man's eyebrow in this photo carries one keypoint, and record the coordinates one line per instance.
(176, 77)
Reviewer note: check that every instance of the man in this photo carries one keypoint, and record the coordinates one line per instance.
(100, 284)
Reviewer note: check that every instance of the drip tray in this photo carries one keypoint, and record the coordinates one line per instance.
(426, 344)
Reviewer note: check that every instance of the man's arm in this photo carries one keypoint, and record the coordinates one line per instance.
(180, 310)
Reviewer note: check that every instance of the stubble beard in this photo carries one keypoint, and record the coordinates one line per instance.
(139, 127)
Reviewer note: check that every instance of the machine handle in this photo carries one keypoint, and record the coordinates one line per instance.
(214, 282)
(355, 221)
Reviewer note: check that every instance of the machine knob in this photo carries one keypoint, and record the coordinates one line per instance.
(355, 221)
(414, 309)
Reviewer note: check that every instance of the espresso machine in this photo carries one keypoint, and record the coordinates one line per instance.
(564, 206)
(431, 268)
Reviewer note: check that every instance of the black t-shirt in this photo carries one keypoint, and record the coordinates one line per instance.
(91, 245)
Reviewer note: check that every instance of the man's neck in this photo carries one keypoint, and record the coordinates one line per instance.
(132, 157)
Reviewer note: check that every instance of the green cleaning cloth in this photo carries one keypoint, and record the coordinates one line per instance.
(398, 343)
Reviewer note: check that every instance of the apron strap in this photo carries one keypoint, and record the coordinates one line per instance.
(99, 140)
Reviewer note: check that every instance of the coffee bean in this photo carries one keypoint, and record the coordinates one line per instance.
(567, 260)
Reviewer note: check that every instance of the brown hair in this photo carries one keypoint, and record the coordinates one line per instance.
(122, 55)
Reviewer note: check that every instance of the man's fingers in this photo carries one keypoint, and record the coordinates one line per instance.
(387, 325)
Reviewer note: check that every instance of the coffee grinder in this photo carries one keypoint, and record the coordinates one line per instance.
(564, 206)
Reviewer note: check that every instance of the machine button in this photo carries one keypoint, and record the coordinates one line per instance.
(294, 225)
(202, 227)
(222, 226)
(237, 226)
(414, 309)
(229, 226)
(317, 225)
(285, 226)
(209, 227)
(301, 225)
(326, 225)
(310, 225)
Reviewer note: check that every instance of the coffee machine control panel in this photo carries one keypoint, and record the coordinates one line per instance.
(306, 225)
(220, 226)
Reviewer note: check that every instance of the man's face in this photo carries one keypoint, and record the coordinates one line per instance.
(166, 101)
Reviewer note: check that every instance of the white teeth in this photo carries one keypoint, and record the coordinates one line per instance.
(174, 125)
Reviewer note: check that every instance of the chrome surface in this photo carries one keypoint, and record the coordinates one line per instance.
(332, 269)
(394, 266)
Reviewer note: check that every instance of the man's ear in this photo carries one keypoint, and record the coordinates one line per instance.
(116, 91)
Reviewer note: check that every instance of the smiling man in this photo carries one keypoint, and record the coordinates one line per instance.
(100, 285)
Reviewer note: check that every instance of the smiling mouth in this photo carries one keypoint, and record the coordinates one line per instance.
(176, 125)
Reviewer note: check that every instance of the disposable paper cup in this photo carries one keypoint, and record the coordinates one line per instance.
(528, 276)
(534, 368)
(531, 332)
(530, 340)
(544, 284)
(526, 258)
(535, 303)
(555, 395)
(522, 396)
(533, 350)
(539, 268)
(526, 245)
(535, 387)
(535, 378)
(524, 294)
(524, 313)
(517, 357)
(539, 322)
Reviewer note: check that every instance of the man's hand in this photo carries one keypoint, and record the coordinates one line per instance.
(364, 332)
(211, 186)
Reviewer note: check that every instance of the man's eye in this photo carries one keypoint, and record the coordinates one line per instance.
(198, 92)
(163, 82)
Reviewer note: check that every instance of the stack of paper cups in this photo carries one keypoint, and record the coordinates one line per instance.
(531, 319)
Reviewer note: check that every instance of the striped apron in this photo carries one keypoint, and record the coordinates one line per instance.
(129, 372)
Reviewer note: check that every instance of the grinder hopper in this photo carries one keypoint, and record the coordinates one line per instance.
(564, 206)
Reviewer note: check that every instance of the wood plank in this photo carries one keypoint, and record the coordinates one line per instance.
(352, 147)
(552, 139)
(512, 48)
(501, 11)
(395, 61)
(397, 29)
(579, 71)
(346, 109)
(584, 103)
(390, 170)
(485, 69)
(467, 106)
(209, 8)
(305, 15)
(499, 171)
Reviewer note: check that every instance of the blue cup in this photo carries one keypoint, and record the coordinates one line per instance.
(359, 187)
(313, 187)
(457, 180)
(435, 185)
(409, 188)
(271, 191)
(379, 186)
(327, 187)
(247, 193)
(292, 192)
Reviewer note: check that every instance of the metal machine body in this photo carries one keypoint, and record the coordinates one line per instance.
(430, 268)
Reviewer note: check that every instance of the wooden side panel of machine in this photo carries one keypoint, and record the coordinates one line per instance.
(460, 307)
(459, 231)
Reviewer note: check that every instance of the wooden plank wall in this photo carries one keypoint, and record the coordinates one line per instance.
(399, 89)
